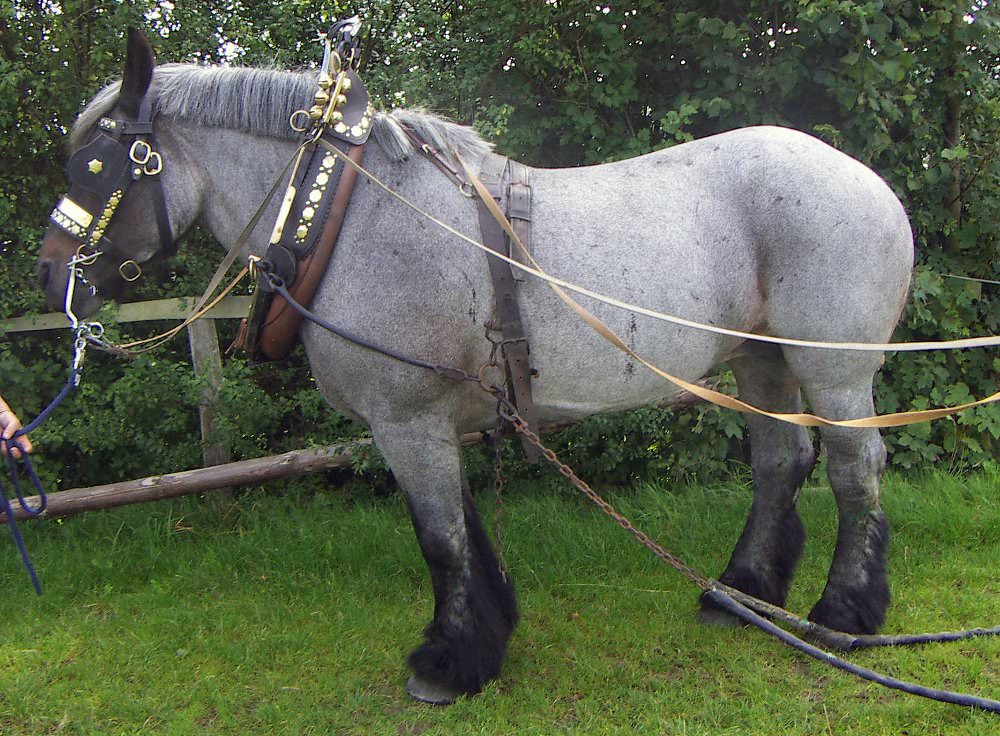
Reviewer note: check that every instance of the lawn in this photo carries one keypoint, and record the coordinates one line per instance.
(293, 615)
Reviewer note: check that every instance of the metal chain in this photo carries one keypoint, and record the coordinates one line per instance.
(498, 489)
(509, 414)
(499, 482)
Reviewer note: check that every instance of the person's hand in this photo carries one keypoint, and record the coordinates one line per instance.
(9, 424)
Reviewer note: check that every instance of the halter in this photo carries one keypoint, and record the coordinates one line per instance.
(103, 169)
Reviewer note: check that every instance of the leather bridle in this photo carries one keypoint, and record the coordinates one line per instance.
(101, 172)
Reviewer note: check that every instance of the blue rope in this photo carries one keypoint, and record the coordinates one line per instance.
(7, 447)
(723, 600)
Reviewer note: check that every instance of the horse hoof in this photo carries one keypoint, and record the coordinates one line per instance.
(431, 692)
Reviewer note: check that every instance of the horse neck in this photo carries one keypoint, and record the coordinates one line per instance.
(237, 169)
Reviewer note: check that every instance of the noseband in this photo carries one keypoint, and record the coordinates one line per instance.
(102, 171)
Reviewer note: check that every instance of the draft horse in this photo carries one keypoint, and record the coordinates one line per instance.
(763, 229)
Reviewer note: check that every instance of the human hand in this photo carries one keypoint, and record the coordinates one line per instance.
(9, 425)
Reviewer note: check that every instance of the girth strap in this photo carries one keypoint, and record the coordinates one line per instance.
(507, 182)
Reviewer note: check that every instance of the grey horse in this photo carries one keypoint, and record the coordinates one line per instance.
(763, 229)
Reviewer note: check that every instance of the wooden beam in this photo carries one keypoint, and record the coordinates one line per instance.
(243, 472)
(231, 307)
(200, 480)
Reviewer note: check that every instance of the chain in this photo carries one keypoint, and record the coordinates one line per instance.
(509, 414)
(498, 489)
(499, 483)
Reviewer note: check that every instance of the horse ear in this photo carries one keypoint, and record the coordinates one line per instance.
(139, 63)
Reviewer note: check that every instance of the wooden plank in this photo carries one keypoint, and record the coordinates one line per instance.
(231, 307)
(244, 472)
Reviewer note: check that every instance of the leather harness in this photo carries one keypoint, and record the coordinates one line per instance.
(507, 182)
(323, 195)
(315, 204)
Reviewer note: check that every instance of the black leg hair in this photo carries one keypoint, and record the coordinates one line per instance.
(474, 616)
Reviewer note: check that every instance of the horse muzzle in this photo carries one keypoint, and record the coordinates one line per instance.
(62, 277)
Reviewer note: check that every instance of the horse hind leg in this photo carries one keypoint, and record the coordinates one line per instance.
(856, 596)
(475, 610)
(782, 457)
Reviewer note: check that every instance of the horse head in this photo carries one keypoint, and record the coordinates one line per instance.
(115, 217)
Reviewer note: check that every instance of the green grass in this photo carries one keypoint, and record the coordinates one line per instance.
(293, 616)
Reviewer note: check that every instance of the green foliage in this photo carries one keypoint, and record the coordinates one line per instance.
(910, 89)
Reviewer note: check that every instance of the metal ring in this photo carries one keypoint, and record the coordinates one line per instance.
(84, 259)
(140, 158)
(131, 276)
(467, 190)
(155, 168)
(299, 128)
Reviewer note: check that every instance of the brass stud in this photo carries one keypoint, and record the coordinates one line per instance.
(301, 232)
(325, 81)
(315, 196)
(321, 97)
(322, 179)
(346, 84)
(340, 128)
(308, 213)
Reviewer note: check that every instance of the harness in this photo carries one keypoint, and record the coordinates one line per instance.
(315, 205)
(102, 171)
(507, 183)
(100, 174)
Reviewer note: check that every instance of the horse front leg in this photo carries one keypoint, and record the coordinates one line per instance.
(475, 610)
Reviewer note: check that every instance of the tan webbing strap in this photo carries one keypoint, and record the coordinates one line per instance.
(890, 420)
(803, 419)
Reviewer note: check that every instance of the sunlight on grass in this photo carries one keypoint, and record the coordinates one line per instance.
(294, 615)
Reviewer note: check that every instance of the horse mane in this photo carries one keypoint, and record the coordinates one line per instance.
(260, 101)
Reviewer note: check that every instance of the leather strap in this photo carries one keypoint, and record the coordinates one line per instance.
(281, 324)
(496, 175)
(519, 214)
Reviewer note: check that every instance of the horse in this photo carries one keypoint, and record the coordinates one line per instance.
(763, 229)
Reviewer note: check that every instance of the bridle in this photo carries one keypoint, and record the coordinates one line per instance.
(102, 171)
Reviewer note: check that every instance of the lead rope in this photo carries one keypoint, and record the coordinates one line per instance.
(17, 458)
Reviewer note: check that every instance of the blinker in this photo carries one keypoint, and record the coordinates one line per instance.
(99, 166)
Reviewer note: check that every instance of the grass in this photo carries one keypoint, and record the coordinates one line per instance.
(293, 616)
